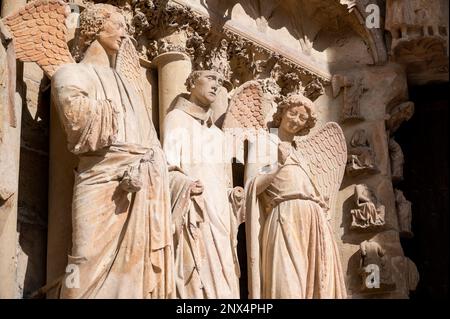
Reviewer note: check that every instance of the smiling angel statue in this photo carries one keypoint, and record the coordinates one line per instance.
(291, 249)
(121, 223)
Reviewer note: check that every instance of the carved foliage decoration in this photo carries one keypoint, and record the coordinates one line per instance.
(161, 26)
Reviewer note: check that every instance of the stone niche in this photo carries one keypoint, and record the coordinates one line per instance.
(317, 47)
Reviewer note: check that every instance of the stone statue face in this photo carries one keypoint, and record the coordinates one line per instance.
(113, 33)
(294, 119)
(205, 88)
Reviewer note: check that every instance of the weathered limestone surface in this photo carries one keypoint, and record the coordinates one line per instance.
(264, 53)
(10, 131)
(419, 31)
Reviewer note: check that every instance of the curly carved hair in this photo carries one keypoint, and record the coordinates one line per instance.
(190, 81)
(92, 21)
(292, 101)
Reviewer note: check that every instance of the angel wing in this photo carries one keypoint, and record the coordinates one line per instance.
(326, 155)
(248, 108)
(40, 34)
(246, 116)
(128, 65)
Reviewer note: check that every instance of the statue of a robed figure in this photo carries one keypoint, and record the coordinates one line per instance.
(291, 247)
(121, 218)
(206, 224)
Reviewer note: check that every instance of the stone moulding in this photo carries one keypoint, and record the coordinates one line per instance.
(322, 75)
(311, 79)
(374, 36)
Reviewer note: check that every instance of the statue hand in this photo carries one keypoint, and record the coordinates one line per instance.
(131, 182)
(196, 188)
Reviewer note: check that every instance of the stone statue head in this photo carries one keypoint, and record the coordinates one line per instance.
(295, 114)
(203, 86)
(104, 23)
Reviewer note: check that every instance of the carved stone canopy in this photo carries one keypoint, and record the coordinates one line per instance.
(207, 32)
(419, 38)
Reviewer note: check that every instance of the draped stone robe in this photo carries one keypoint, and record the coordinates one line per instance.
(122, 240)
(291, 248)
(205, 225)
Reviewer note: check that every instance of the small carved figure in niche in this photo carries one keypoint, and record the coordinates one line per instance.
(404, 213)
(397, 160)
(376, 270)
(353, 92)
(369, 214)
(361, 157)
(218, 60)
(399, 114)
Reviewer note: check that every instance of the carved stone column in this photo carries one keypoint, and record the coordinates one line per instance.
(9, 159)
(173, 70)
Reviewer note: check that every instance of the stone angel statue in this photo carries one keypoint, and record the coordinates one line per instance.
(121, 215)
(291, 248)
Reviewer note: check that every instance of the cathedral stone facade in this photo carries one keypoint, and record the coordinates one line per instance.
(102, 100)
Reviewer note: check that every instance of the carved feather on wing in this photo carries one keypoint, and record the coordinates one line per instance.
(40, 34)
(325, 153)
(248, 108)
(128, 65)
